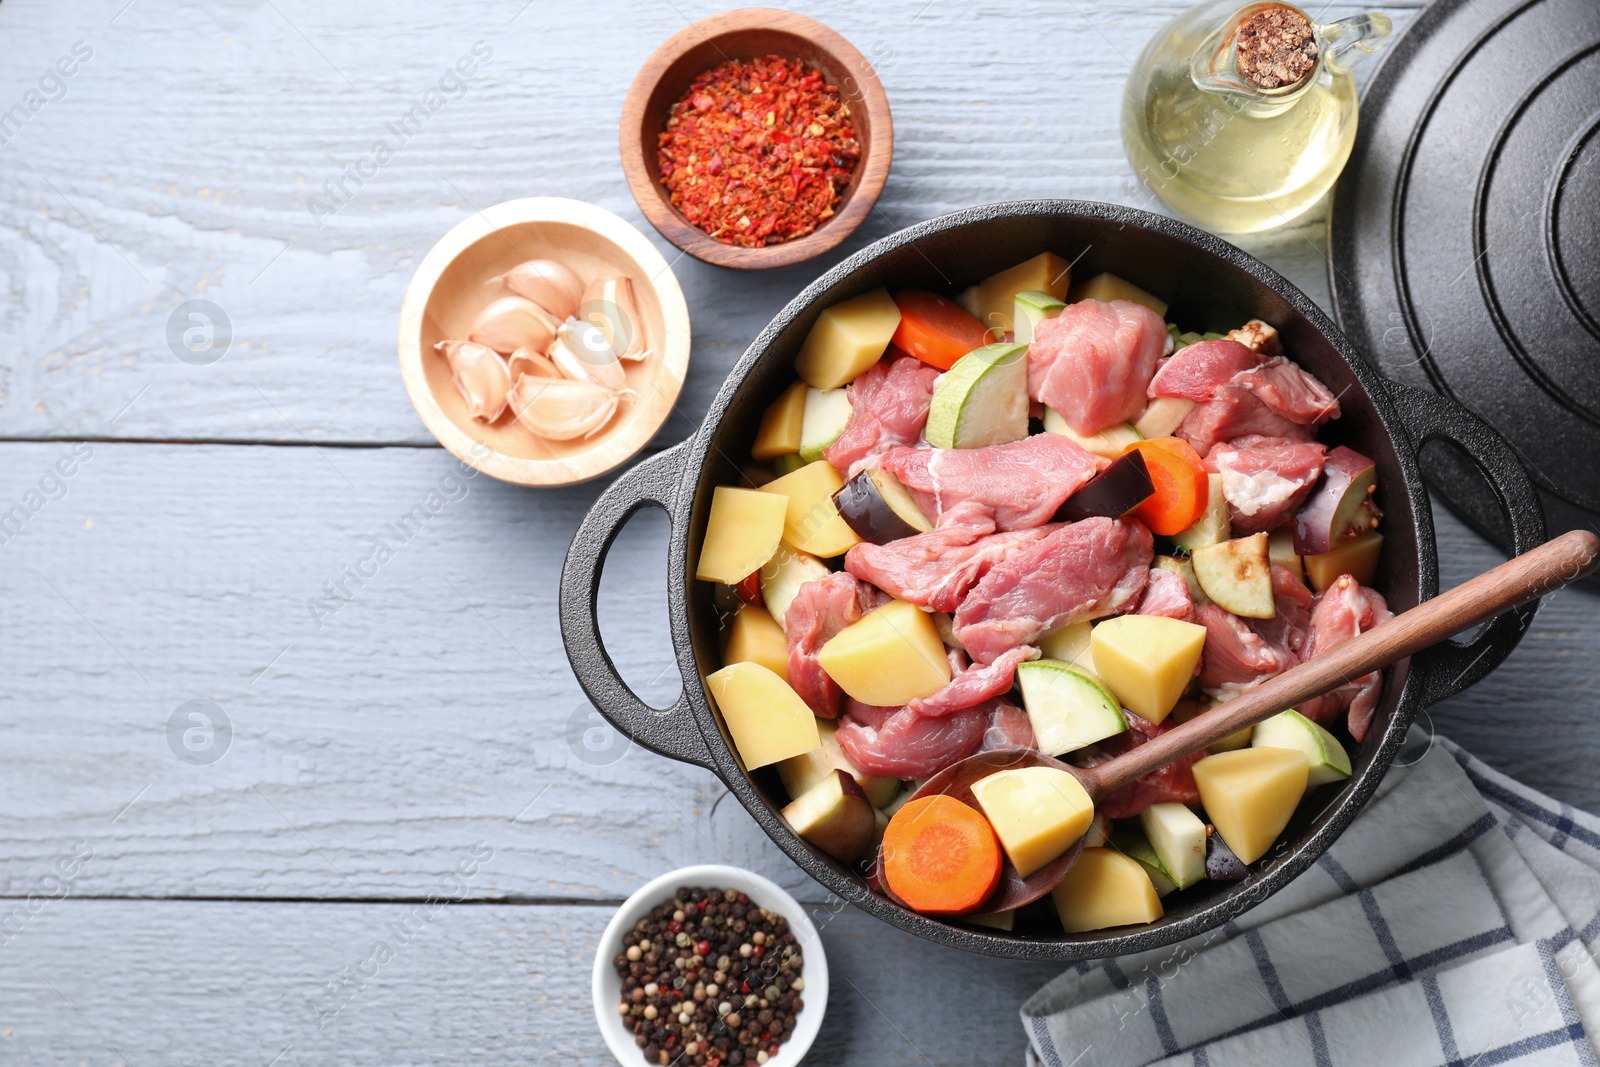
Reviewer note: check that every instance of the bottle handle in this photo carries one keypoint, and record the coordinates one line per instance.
(1349, 40)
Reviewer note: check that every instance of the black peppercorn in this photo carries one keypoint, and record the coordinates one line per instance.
(690, 944)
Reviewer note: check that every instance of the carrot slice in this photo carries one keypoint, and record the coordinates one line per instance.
(935, 330)
(1182, 489)
(940, 856)
(749, 588)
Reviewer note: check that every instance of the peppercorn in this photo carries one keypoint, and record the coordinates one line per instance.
(707, 998)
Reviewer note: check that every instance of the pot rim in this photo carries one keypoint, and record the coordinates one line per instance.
(1099, 944)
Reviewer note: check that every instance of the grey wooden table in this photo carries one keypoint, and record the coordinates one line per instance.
(220, 900)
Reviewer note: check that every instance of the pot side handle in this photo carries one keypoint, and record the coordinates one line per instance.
(1451, 666)
(672, 732)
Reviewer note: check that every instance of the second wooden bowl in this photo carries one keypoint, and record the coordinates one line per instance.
(746, 34)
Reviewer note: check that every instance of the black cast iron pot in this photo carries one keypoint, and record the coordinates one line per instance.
(1211, 286)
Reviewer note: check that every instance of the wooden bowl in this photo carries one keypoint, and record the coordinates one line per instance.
(745, 34)
(449, 290)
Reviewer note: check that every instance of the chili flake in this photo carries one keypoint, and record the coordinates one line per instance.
(758, 151)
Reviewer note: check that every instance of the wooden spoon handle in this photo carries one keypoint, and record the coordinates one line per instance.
(1529, 576)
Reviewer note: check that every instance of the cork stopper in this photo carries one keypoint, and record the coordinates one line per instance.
(1275, 48)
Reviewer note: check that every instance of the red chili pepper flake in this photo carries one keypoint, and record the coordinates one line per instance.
(758, 152)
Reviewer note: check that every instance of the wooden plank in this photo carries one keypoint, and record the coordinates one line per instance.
(435, 703)
(186, 158)
(435, 707)
(230, 983)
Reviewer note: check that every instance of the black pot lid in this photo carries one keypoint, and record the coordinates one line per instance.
(1465, 238)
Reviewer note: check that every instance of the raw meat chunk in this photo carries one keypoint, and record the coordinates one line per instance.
(1344, 610)
(971, 685)
(934, 570)
(1082, 570)
(888, 406)
(1238, 392)
(1093, 362)
(1166, 593)
(1265, 479)
(1009, 727)
(1172, 783)
(1014, 486)
(1195, 372)
(908, 745)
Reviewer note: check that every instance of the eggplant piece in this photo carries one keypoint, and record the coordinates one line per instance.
(879, 509)
(1341, 505)
(1221, 864)
(1237, 576)
(1113, 492)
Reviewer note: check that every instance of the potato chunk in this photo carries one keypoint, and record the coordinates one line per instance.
(892, 656)
(1250, 794)
(1037, 812)
(847, 339)
(768, 720)
(811, 520)
(1105, 888)
(779, 434)
(742, 532)
(993, 300)
(1147, 660)
(755, 637)
(1109, 287)
(1070, 644)
(1356, 556)
(802, 772)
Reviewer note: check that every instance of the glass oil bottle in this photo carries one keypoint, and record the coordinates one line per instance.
(1241, 118)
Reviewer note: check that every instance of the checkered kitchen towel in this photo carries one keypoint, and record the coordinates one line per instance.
(1454, 923)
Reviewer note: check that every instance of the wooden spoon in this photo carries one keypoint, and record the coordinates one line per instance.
(1533, 574)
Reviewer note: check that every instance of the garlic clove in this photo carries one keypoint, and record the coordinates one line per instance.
(608, 306)
(514, 322)
(580, 353)
(561, 409)
(480, 376)
(526, 361)
(547, 283)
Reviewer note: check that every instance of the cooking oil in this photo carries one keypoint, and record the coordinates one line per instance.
(1242, 118)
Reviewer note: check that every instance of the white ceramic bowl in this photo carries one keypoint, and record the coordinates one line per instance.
(607, 985)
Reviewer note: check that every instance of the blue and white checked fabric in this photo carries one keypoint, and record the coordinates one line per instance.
(1455, 924)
